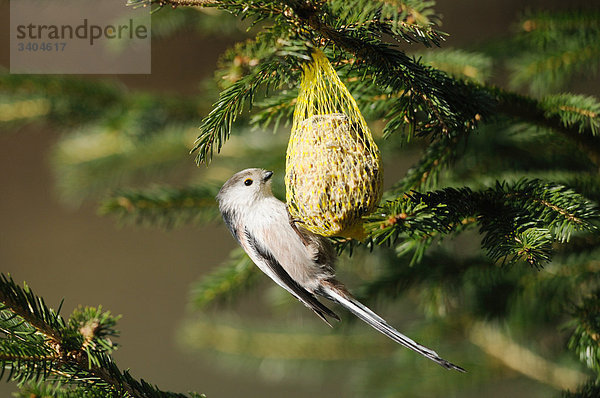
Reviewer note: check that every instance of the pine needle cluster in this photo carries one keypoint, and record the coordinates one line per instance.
(49, 356)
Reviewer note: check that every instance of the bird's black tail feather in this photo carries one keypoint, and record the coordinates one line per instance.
(343, 298)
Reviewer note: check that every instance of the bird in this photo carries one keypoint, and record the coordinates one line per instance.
(300, 261)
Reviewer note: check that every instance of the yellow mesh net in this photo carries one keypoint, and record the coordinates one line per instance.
(333, 167)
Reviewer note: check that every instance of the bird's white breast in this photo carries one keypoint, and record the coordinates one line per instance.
(268, 221)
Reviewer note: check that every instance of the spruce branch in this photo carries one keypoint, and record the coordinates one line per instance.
(23, 303)
(459, 64)
(71, 357)
(545, 26)
(424, 174)
(584, 340)
(275, 110)
(575, 111)
(227, 281)
(61, 100)
(444, 100)
(167, 207)
(550, 115)
(95, 161)
(590, 390)
(563, 210)
(550, 71)
(216, 127)
(45, 390)
(557, 47)
(409, 21)
(518, 221)
(246, 9)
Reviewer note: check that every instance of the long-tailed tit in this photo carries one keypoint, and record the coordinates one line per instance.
(296, 259)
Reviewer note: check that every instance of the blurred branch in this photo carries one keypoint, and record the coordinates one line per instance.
(228, 280)
(242, 339)
(523, 360)
(533, 111)
(163, 206)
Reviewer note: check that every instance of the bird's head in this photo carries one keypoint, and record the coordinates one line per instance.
(245, 188)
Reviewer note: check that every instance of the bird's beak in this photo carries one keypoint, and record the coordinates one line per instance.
(267, 175)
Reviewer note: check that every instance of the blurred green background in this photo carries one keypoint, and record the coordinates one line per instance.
(66, 250)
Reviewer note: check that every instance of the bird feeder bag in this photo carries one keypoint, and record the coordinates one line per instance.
(333, 167)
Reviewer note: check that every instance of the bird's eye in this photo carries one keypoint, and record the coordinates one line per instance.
(248, 182)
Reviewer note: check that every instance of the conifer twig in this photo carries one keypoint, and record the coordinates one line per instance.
(530, 110)
(36, 343)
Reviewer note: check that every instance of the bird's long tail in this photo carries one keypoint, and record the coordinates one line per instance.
(339, 294)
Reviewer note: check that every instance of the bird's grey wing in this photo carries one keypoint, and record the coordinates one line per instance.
(280, 275)
(323, 251)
